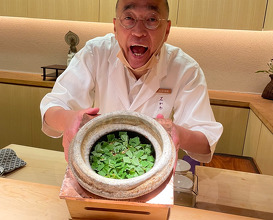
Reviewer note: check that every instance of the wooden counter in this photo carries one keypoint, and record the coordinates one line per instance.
(263, 108)
(43, 166)
(24, 196)
(235, 192)
(26, 201)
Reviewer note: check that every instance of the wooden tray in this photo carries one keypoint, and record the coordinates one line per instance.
(85, 205)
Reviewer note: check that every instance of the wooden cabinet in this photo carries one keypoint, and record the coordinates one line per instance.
(20, 117)
(252, 135)
(259, 144)
(234, 121)
(244, 133)
(265, 151)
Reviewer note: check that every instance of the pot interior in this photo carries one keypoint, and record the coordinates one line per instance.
(116, 157)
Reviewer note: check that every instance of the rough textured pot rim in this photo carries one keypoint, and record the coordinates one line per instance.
(110, 188)
(123, 184)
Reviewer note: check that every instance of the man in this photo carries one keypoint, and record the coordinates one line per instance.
(135, 70)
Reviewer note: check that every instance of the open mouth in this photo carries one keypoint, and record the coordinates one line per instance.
(138, 50)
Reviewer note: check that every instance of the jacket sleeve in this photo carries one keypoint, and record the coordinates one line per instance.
(192, 110)
(72, 90)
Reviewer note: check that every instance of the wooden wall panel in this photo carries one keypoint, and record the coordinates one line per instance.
(41, 9)
(269, 16)
(223, 14)
(83, 10)
(173, 5)
(226, 14)
(77, 10)
(107, 10)
(16, 8)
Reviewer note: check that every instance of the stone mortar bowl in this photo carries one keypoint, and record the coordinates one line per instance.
(102, 125)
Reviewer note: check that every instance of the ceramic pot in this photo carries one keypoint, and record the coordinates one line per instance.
(100, 126)
(268, 91)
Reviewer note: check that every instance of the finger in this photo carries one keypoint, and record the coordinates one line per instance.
(68, 135)
(66, 148)
(160, 116)
(66, 153)
(92, 111)
(88, 114)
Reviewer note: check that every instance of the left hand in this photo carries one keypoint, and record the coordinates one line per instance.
(170, 127)
(73, 124)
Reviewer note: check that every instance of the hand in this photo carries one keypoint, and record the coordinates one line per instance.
(188, 140)
(73, 123)
(170, 127)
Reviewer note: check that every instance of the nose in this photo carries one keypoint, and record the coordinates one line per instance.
(139, 29)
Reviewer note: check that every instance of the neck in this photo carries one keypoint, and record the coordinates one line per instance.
(138, 74)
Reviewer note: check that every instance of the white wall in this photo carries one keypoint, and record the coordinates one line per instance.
(229, 58)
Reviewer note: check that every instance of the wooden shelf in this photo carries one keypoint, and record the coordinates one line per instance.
(263, 108)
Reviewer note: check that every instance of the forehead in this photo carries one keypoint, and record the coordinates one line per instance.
(150, 5)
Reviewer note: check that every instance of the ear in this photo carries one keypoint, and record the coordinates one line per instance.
(115, 27)
(168, 28)
(114, 22)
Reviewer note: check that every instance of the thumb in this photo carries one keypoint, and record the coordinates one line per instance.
(91, 111)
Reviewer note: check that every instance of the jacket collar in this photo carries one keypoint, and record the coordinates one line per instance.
(150, 86)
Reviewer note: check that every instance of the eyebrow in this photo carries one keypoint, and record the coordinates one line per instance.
(150, 7)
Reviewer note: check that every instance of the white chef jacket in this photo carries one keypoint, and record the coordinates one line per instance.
(175, 88)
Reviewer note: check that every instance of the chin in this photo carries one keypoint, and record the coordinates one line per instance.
(137, 63)
(137, 66)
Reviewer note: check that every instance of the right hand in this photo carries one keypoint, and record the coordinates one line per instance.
(72, 126)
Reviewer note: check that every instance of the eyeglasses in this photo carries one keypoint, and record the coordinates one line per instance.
(129, 20)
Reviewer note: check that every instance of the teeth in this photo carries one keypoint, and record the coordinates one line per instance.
(136, 53)
(139, 45)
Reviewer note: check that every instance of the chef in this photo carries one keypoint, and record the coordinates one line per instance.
(135, 69)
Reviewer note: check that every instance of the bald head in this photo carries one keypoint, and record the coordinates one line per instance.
(165, 1)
